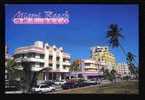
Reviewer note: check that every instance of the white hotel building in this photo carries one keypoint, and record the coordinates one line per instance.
(123, 69)
(42, 55)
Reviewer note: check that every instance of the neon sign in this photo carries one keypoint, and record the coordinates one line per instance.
(46, 17)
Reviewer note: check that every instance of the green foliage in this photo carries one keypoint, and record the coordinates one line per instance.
(13, 72)
(114, 35)
(109, 75)
(11, 65)
(74, 67)
(131, 62)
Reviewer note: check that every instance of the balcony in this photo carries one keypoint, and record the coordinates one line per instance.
(90, 68)
(28, 49)
(38, 68)
(50, 61)
(61, 70)
(88, 61)
(30, 60)
(50, 53)
(19, 68)
(67, 63)
(66, 55)
(58, 62)
(65, 70)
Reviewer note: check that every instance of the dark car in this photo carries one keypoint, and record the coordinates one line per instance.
(70, 85)
(82, 83)
(50, 83)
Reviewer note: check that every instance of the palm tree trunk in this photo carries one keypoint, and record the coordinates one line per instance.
(122, 49)
(33, 80)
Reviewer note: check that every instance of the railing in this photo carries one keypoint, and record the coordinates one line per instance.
(66, 63)
(30, 59)
(29, 49)
(90, 67)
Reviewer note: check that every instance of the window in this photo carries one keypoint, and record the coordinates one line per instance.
(57, 58)
(41, 64)
(87, 64)
(41, 56)
(44, 86)
(64, 67)
(64, 59)
(31, 55)
(99, 59)
(47, 47)
(50, 65)
(32, 64)
(22, 55)
(54, 49)
(50, 57)
(57, 66)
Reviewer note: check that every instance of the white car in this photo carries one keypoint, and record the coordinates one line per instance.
(91, 82)
(60, 82)
(44, 88)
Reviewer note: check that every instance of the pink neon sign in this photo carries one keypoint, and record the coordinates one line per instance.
(48, 17)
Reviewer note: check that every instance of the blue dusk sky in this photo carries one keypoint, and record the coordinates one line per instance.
(87, 28)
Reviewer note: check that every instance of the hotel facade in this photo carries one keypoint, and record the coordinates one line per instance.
(103, 57)
(123, 69)
(42, 55)
(100, 58)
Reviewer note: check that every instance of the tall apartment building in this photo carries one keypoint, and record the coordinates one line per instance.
(103, 57)
(42, 55)
(123, 69)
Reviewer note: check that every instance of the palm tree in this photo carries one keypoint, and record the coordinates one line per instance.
(130, 57)
(130, 61)
(11, 67)
(75, 66)
(113, 73)
(27, 75)
(35, 76)
(106, 74)
(114, 35)
(30, 76)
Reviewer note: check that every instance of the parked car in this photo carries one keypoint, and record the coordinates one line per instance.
(43, 88)
(83, 83)
(50, 83)
(91, 82)
(69, 85)
(59, 82)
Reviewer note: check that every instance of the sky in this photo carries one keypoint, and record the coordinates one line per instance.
(87, 28)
